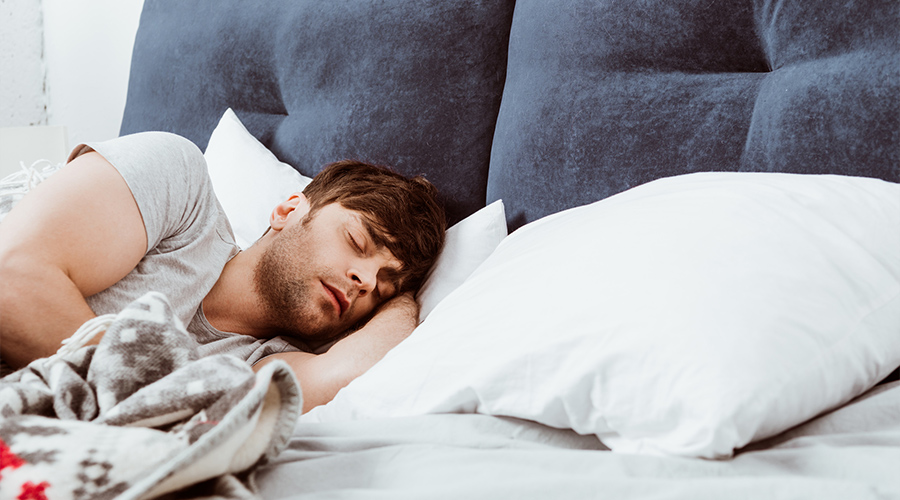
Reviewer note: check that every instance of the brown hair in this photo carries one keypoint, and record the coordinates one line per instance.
(402, 214)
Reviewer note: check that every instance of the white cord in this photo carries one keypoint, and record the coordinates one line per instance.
(32, 175)
(16, 185)
(82, 336)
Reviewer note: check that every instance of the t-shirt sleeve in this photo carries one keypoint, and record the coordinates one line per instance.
(189, 239)
(167, 176)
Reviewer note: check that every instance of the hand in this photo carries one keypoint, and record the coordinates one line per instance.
(398, 316)
(322, 376)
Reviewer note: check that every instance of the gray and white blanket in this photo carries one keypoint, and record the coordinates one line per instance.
(141, 415)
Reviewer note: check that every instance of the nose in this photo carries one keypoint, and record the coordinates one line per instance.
(364, 276)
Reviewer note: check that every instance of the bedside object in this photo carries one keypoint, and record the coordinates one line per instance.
(29, 144)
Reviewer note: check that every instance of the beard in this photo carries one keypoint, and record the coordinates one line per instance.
(285, 294)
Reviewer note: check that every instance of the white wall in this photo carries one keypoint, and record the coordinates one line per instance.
(66, 63)
(23, 99)
(88, 54)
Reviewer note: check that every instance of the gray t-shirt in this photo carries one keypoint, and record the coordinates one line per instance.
(189, 239)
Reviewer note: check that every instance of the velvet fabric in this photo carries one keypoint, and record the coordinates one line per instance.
(598, 96)
(412, 84)
(604, 95)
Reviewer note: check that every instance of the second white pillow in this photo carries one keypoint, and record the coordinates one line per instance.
(468, 244)
(688, 316)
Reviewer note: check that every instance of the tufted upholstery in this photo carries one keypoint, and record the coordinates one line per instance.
(412, 84)
(597, 95)
(604, 95)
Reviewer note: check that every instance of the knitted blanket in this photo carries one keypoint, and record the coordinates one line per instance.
(140, 415)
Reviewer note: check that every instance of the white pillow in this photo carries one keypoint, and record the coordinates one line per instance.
(468, 243)
(688, 316)
(247, 178)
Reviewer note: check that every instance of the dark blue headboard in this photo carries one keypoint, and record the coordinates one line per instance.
(597, 95)
(415, 85)
(605, 95)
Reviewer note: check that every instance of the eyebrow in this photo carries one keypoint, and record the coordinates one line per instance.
(372, 232)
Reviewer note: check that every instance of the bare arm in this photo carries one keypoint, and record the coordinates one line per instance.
(74, 235)
(322, 376)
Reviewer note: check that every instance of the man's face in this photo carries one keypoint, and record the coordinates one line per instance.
(323, 273)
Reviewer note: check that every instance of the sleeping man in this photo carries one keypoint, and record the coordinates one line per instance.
(138, 214)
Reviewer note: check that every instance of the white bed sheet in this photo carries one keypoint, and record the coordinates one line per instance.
(850, 453)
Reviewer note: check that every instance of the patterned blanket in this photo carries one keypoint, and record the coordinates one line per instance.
(141, 415)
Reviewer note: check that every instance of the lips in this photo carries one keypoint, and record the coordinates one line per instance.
(339, 298)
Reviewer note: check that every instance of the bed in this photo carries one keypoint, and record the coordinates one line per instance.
(673, 269)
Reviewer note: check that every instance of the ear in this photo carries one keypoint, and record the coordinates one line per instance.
(295, 207)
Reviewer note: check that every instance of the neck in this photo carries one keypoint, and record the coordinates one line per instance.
(233, 304)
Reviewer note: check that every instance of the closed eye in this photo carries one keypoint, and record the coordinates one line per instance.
(355, 243)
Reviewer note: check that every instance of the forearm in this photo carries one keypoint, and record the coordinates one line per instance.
(319, 378)
(322, 376)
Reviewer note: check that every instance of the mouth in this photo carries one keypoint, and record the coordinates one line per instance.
(339, 299)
